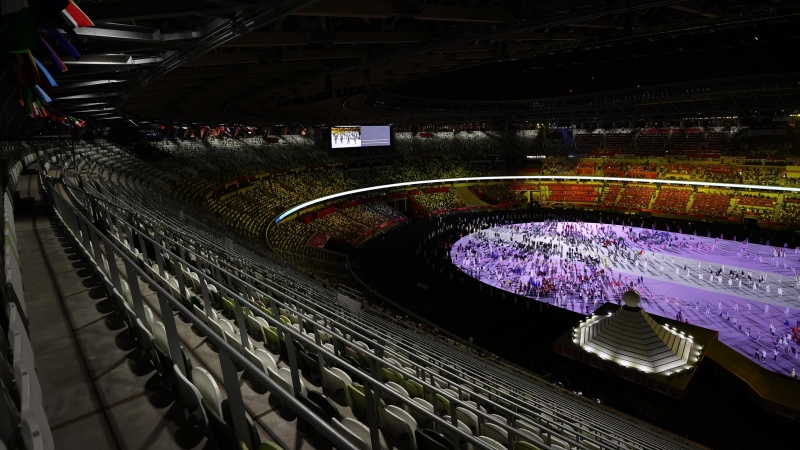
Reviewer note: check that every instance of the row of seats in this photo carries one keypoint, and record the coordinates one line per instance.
(554, 417)
(672, 200)
(635, 197)
(710, 204)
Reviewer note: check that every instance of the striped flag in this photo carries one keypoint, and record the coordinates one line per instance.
(75, 16)
(19, 29)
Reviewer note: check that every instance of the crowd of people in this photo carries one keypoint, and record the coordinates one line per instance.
(440, 201)
(579, 266)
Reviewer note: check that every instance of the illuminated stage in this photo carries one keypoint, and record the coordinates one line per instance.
(679, 273)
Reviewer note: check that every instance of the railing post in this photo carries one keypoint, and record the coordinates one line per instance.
(160, 261)
(240, 317)
(173, 339)
(372, 413)
(206, 298)
(136, 294)
(292, 356)
(230, 380)
(113, 269)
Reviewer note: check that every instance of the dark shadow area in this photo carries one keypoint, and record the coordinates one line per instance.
(523, 331)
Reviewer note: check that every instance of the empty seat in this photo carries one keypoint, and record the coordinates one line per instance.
(492, 443)
(283, 377)
(261, 358)
(399, 424)
(355, 432)
(208, 388)
(495, 432)
(337, 381)
(190, 397)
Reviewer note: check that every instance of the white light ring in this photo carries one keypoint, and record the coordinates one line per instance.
(529, 178)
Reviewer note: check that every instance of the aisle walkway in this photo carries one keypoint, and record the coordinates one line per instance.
(97, 391)
(469, 198)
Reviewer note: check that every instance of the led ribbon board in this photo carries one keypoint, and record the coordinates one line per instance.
(305, 205)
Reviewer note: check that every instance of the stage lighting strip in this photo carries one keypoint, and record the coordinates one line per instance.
(528, 178)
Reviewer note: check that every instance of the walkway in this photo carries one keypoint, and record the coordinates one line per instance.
(98, 393)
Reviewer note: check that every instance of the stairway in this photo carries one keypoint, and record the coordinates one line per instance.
(776, 215)
(690, 202)
(653, 197)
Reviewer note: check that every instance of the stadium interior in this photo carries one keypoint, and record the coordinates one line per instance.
(394, 224)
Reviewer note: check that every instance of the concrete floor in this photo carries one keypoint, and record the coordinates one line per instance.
(97, 391)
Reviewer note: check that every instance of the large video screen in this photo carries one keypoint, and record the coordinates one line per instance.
(361, 136)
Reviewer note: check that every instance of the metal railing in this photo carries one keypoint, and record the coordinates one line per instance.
(424, 362)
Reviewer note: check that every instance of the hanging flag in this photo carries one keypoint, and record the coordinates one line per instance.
(19, 29)
(74, 16)
(46, 73)
(76, 40)
(22, 70)
(53, 57)
(37, 78)
(64, 43)
(42, 95)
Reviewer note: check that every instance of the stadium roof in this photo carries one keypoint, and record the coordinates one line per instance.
(301, 61)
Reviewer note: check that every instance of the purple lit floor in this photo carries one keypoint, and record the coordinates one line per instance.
(690, 289)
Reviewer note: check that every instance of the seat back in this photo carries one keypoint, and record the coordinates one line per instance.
(233, 340)
(148, 318)
(252, 325)
(286, 374)
(493, 443)
(351, 436)
(188, 395)
(555, 441)
(126, 292)
(31, 434)
(420, 418)
(160, 337)
(413, 388)
(144, 336)
(360, 430)
(314, 407)
(534, 438)
(270, 335)
(200, 314)
(325, 403)
(397, 388)
(276, 377)
(468, 417)
(30, 396)
(426, 442)
(310, 364)
(495, 432)
(208, 388)
(523, 445)
(357, 399)
(399, 423)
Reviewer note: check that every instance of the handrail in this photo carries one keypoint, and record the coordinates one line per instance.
(242, 301)
(427, 386)
(298, 408)
(373, 383)
(713, 85)
(326, 198)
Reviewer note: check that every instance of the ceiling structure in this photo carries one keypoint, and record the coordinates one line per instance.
(754, 97)
(310, 61)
